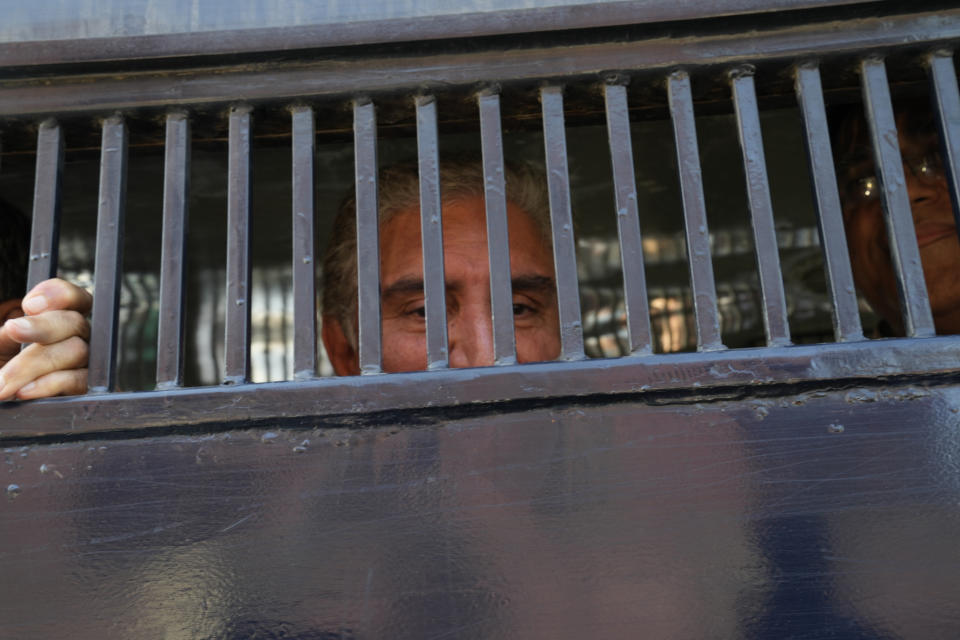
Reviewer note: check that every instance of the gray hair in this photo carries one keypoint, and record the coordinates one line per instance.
(399, 190)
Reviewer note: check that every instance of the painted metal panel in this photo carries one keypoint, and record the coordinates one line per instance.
(830, 514)
(64, 20)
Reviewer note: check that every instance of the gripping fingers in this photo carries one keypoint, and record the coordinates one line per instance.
(48, 327)
(56, 294)
(58, 383)
(38, 360)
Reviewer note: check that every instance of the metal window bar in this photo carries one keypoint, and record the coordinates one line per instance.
(45, 234)
(904, 252)
(813, 114)
(561, 222)
(498, 242)
(304, 244)
(628, 220)
(431, 232)
(946, 100)
(176, 190)
(237, 330)
(761, 208)
(694, 212)
(102, 367)
(368, 237)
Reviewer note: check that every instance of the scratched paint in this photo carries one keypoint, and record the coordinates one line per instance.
(723, 519)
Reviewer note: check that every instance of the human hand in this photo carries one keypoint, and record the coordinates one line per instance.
(55, 327)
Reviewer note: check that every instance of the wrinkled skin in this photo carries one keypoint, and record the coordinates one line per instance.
(51, 318)
(467, 274)
(936, 237)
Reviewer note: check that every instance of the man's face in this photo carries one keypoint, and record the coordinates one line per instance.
(935, 227)
(467, 274)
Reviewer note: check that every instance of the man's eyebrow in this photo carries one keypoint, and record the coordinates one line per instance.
(403, 286)
(532, 283)
(414, 284)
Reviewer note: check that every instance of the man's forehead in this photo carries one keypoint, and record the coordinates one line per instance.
(463, 211)
(465, 246)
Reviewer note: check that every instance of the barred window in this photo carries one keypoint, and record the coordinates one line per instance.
(693, 197)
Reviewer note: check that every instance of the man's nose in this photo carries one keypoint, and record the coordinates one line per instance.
(470, 337)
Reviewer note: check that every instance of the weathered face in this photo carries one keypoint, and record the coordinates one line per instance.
(467, 274)
(935, 227)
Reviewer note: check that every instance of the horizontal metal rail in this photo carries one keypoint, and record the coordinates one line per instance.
(347, 77)
(734, 372)
(419, 28)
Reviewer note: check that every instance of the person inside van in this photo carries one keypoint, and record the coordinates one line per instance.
(50, 320)
(466, 271)
(930, 204)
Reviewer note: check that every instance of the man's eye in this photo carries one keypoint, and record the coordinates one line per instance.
(520, 309)
(418, 311)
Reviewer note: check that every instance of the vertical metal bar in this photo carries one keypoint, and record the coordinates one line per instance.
(561, 221)
(102, 370)
(45, 238)
(498, 240)
(846, 315)
(628, 220)
(431, 232)
(694, 212)
(761, 208)
(368, 237)
(904, 253)
(236, 355)
(946, 99)
(176, 189)
(304, 245)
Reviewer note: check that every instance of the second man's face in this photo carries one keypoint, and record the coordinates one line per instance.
(935, 228)
(467, 275)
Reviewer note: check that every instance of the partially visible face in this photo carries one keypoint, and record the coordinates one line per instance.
(936, 237)
(467, 275)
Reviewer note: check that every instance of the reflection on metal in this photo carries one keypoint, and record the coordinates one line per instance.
(787, 517)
